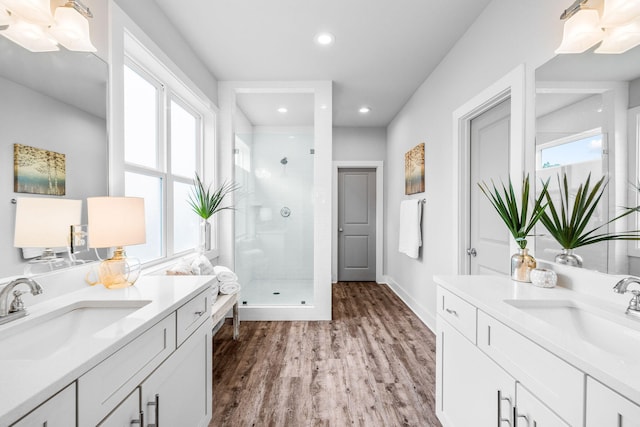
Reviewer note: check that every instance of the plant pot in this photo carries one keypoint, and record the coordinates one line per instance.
(204, 243)
(521, 265)
(567, 257)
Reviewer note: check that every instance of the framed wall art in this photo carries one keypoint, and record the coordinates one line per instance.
(414, 170)
(38, 171)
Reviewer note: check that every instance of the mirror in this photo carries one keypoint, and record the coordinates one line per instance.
(56, 101)
(585, 124)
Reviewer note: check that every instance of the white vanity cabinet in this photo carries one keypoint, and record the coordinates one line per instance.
(605, 407)
(58, 411)
(124, 386)
(178, 393)
(471, 388)
(487, 373)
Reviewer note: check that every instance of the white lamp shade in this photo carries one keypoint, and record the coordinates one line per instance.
(581, 32)
(38, 11)
(71, 29)
(620, 12)
(116, 221)
(30, 36)
(45, 222)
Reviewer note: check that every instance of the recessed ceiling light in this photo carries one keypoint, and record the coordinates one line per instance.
(323, 107)
(325, 39)
(364, 110)
(282, 110)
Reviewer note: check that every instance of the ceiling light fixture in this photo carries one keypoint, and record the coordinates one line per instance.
(325, 39)
(618, 30)
(29, 23)
(282, 110)
(364, 110)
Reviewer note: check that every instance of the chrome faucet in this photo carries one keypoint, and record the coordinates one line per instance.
(15, 309)
(621, 288)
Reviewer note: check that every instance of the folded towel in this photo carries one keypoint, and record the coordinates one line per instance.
(215, 289)
(224, 274)
(410, 233)
(229, 288)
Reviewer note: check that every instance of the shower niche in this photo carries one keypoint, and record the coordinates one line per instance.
(274, 217)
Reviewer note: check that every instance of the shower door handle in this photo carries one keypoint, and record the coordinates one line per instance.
(340, 230)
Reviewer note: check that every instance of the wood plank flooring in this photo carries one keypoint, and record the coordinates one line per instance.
(372, 365)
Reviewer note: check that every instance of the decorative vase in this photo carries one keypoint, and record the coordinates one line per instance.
(567, 257)
(521, 265)
(543, 278)
(204, 243)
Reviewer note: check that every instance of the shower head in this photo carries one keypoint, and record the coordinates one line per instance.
(284, 161)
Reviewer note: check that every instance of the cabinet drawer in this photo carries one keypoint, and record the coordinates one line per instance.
(101, 389)
(192, 314)
(558, 384)
(459, 313)
(605, 407)
(59, 411)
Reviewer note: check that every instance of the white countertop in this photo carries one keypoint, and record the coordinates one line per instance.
(24, 384)
(488, 293)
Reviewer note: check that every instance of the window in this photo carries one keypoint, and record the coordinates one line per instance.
(634, 175)
(163, 136)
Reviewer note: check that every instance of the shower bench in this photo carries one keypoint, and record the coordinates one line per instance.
(221, 307)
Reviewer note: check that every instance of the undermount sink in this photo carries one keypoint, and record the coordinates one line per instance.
(619, 336)
(42, 336)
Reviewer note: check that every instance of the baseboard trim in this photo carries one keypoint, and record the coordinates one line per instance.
(424, 316)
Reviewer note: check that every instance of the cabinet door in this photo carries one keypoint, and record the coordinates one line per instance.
(178, 393)
(605, 407)
(59, 411)
(531, 412)
(471, 389)
(125, 413)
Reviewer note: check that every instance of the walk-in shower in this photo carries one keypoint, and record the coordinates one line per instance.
(274, 217)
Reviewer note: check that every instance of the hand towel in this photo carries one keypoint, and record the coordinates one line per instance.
(215, 289)
(229, 288)
(410, 233)
(224, 274)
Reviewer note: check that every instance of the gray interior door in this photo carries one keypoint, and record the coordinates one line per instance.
(357, 225)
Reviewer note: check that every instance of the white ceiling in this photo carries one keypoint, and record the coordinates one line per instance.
(384, 49)
(262, 108)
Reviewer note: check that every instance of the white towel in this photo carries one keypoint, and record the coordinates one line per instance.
(410, 233)
(215, 289)
(224, 274)
(229, 288)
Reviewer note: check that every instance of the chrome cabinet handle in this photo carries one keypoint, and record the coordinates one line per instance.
(139, 421)
(199, 313)
(340, 229)
(500, 419)
(452, 312)
(155, 403)
(472, 252)
(516, 416)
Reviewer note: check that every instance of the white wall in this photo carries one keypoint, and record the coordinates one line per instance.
(634, 93)
(506, 34)
(152, 20)
(359, 143)
(54, 126)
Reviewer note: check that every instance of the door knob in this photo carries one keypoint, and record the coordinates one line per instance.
(340, 230)
(472, 252)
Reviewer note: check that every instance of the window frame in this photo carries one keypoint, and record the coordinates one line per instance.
(633, 136)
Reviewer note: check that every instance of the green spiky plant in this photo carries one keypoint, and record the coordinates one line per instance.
(518, 218)
(567, 222)
(206, 202)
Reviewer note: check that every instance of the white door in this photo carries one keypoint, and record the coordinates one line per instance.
(489, 152)
(357, 225)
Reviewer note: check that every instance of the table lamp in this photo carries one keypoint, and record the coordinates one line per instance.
(45, 222)
(115, 222)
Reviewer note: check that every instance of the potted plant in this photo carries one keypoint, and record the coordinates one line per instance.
(205, 203)
(567, 222)
(519, 219)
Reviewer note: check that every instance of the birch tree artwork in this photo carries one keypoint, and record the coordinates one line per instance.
(414, 170)
(38, 171)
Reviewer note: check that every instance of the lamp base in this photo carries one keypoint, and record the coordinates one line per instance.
(118, 271)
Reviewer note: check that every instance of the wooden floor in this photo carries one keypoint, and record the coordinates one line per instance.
(372, 365)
